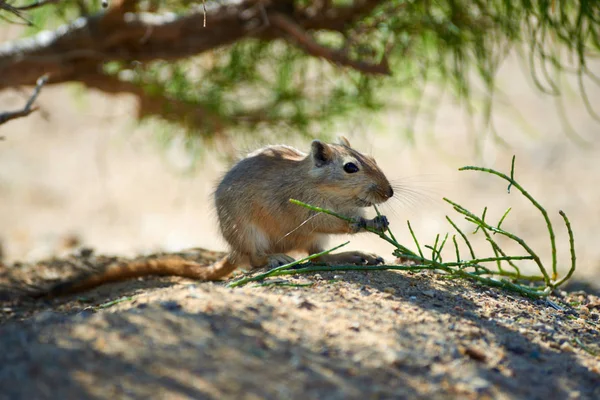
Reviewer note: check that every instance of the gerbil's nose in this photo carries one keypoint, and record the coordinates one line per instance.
(390, 192)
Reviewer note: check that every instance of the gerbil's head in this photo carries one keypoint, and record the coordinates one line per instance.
(346, 176)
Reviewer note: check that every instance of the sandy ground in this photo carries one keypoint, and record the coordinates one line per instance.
(82, 173)
(378, 335)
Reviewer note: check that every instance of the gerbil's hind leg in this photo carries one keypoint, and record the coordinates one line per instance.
(270, 261)
(348, 257)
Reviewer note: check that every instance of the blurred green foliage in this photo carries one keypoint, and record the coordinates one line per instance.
(257, 85)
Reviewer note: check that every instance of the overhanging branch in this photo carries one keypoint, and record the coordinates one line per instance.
(80, 49)
(28, 109)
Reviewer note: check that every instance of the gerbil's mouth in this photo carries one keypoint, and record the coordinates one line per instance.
(376, 195)
(371, 200)
(363, 203)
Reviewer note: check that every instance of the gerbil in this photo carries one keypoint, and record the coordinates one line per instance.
(262, 226)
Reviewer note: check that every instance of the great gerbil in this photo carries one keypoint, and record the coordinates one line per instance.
(262, 226)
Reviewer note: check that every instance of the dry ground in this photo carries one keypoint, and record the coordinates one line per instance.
(349, 335)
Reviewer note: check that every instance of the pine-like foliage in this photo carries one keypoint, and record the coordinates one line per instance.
(263, 65)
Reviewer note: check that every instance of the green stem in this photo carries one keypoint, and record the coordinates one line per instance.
(503, 218)
(343, 217)
(461, 233)
(273, 271)
(494, 247)
(530, 292)
(489, 259)
(513, 183)
(412, 233)
(473, 218)
(456, 248)
(572, 248)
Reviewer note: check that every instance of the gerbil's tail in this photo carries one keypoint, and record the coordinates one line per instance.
(163, 266)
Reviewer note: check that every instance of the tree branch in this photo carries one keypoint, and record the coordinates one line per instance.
(36, 4)
(18, 10)
(28, 109)
(82, 47)
(306, 42)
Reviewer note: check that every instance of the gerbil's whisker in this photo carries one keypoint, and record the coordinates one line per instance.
(298, 227)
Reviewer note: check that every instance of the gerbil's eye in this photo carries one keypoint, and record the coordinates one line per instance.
(350, 168)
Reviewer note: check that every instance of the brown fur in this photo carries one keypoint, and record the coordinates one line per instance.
(261, 225)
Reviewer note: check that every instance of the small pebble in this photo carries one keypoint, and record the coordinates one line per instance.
(566, 346)
(475, 353)
(390, 290)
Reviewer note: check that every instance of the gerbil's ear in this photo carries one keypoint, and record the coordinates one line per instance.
(320, 153)
(344, 141)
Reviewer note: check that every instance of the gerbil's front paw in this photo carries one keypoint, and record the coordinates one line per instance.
(379, 223)
(358, 225)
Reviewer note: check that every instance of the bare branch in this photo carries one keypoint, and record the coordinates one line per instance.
(82, 47)
(307, 42)
(18, 11)
(28, 109)
(36, 4)
(13, 10)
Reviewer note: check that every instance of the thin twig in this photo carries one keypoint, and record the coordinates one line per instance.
(36, 4)
(28, 109)
(15, 11)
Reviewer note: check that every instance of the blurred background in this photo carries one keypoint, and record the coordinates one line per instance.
(85, 170)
